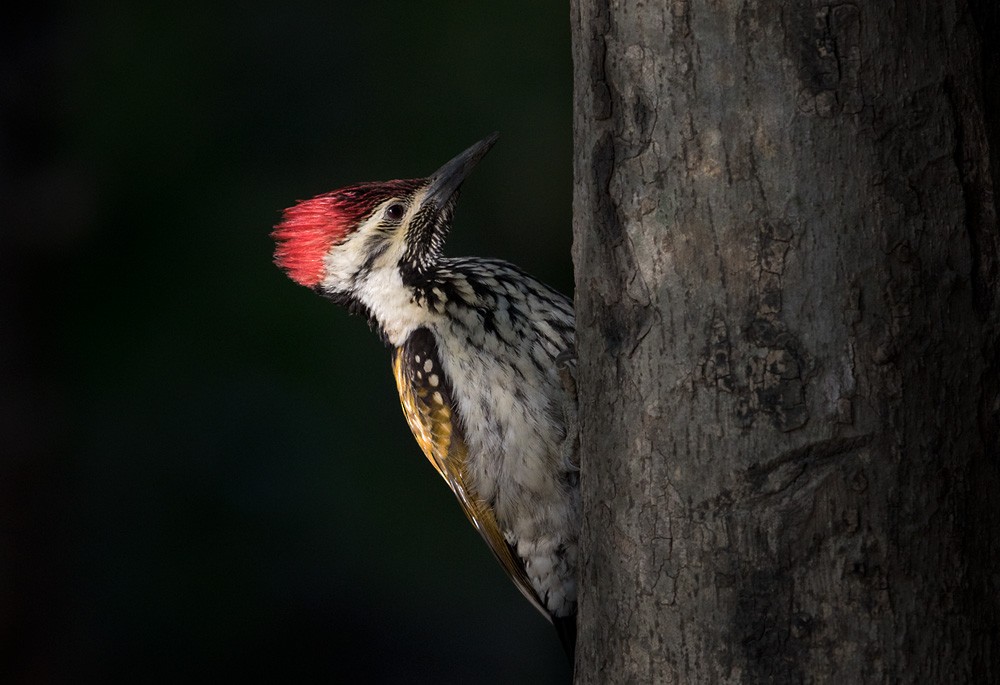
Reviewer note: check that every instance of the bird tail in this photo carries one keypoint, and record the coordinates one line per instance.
(566, 628)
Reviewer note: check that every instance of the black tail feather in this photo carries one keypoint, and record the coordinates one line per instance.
(566, 628)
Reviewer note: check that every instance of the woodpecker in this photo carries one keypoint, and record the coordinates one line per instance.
(483, 358)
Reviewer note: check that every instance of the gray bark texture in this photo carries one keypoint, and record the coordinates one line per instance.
(786, 253)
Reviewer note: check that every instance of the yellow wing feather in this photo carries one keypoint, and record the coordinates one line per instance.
(429, 413)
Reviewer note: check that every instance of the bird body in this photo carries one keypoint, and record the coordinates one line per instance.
(475, 345)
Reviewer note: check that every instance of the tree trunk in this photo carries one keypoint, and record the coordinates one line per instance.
(786, 256)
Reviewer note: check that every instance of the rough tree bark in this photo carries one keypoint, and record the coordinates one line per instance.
(786, 251)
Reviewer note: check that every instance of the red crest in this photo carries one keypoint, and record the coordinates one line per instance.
(309, 229)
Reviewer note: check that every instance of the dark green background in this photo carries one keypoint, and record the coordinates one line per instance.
(204, 468)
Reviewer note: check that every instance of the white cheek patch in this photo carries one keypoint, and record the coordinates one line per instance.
(370, 248)
(343, 260)
(365, 266)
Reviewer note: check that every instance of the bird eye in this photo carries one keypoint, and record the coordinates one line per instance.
(395, 212)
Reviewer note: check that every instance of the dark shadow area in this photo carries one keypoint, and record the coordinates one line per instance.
(204, 470)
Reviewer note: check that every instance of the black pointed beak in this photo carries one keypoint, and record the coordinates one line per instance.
(446, 180)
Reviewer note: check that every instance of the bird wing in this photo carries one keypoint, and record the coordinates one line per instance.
(430, 410)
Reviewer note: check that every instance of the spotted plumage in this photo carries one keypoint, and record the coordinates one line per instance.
(475, 346)
(429, 410)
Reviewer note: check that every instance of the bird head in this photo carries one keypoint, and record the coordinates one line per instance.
(342, 242)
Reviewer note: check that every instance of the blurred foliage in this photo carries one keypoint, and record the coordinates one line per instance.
(206, 470)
